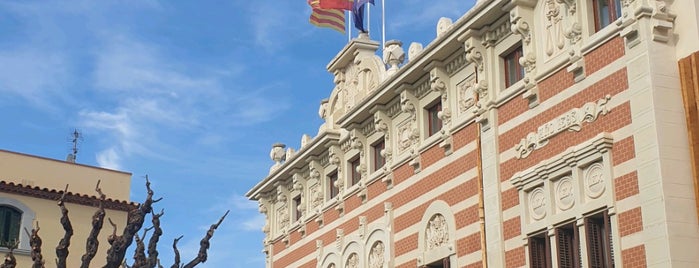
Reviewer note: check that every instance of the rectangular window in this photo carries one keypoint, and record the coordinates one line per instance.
(539, 251)
(599, 241)
(297, 210)
(379, 160)
(354, 170)
(513, 70)
(332, 190)
(606, 12)
(434, 124)
(568, 246)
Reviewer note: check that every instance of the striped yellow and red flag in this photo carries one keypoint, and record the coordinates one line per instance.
(328, 18)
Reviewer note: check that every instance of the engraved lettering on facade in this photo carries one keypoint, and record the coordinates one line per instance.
(570, 121)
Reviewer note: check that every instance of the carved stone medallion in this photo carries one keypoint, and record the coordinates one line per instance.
(537, 203)
(594, 180)
(437, 232)
(565, 197)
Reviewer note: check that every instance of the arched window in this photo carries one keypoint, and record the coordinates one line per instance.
(10, 222)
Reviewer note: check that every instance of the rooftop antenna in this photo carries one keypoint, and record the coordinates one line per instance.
(76, 136)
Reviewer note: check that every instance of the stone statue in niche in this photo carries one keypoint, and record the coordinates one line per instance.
(352, 261)
(376, 255)
(437, 232)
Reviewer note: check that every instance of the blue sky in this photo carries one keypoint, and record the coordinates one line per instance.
(192, 93)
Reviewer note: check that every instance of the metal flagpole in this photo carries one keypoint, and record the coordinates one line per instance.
(349, 26)
(383, 24)
(368, 18)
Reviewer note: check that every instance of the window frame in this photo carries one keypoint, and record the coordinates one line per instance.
(297, 212)
(613, 13)
(570, 233)
(355, 176)
(434, 123)
(10, 224)
(544, 250)
(379, 161)
(511, 66)
(602, 221)
(332, 190)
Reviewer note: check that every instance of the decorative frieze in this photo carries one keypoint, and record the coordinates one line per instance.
(496, 33)
(456, 64)
(569, 121)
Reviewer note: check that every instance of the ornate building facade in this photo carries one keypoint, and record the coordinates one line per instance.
(528, 133)
(30, 187)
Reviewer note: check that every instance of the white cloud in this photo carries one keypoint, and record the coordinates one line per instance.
(109, 158)
(32, 74)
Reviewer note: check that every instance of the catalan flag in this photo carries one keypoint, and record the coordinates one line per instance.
(328, 18)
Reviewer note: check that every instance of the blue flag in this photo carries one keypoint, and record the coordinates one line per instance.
(358, 13)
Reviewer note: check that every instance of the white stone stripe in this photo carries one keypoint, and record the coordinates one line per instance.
(408, 256)
(457, 208)
(380, 199)
(616, 101)
(563, 95)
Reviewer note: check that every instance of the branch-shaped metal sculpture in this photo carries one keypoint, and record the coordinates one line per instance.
(62, 248)
(177, 253)
(35, 244)
(204, 244)
(92, 243)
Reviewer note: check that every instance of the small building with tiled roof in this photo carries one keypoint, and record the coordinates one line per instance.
(30, 187)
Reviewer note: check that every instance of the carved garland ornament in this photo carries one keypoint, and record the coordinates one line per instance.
(570, 121)
(437, 232)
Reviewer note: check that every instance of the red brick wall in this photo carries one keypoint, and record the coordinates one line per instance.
(510, 198)
(634, 257)
(626, 185)
(515, 257)
(604, 55)
(630, 222)
(469, 244)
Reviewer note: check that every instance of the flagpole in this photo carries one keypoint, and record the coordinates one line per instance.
(349, 26)
(383, 24)
(368, 18)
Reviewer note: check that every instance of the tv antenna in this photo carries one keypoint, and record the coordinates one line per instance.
(74, 138)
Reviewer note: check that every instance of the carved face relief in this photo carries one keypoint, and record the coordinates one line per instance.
(436, 232)
(376, 256)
